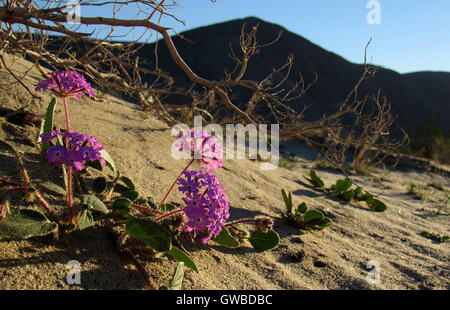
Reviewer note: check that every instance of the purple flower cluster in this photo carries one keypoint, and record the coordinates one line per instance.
(206, 204)
(199, 145)
(76, 151)
(67, 83)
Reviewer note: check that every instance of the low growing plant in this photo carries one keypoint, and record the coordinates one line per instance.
(444, 206)
(343, 190)
(301, 217)
(435, 237)
(416, 190)
(286, 164)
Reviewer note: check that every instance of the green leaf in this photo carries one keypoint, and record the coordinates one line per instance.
(376, 204)
(302, 208)
(122, 203)
(99, 185)
(26, 224)
(119, 188)
(287, 200)
(343, 185)
(181, 256)
(176, 283)
(54, 188)
(93, 203)
(95, 164)
(263, 241)
(348, 195)
(85, 219)
(358, 192)
(318, 181)
(178, 244)
(325, 223)
(360, 196)
(363, 197)
(315, 180)
(122, 206)
(48, 121)
(130, 185)
(226, 239)
(153, 234)
(47, 125)
(313, 217)
(132, 195)
(109, 161)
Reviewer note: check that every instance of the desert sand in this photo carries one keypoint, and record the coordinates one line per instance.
(334, 258)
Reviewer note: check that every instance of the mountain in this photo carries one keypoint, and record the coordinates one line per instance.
(415, 97)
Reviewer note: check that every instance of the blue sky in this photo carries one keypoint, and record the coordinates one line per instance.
(414, 35)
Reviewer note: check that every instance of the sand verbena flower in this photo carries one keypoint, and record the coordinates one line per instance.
(206, 203)
(201, 146)
(66, 84)
(78, 149)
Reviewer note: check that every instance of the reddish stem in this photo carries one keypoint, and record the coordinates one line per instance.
(69, 195)
(146, 209)
(46, 206)
(140, 267)
(175, 182)
(139, 207)
(66, 112)
(10, 183)
(18, 189)
(240, 222)
(69, 172)
(168, 215)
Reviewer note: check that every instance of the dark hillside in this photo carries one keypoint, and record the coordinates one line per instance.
(414, 96)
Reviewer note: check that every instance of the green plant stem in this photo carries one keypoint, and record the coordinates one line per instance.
(168, 215)
(46, 206)
(240, 222)
(175, 182)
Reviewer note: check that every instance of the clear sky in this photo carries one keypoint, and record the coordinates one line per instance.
(414, 35)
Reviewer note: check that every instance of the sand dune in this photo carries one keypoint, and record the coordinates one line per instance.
(334, 258)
